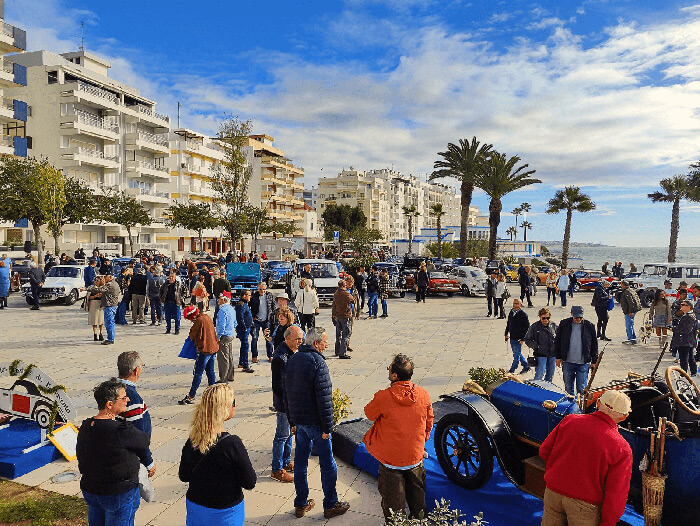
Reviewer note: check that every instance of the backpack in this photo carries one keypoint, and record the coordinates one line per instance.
(154, 286)
(636, 303)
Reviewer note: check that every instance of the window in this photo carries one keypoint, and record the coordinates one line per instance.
(692, 273)
(675, 272)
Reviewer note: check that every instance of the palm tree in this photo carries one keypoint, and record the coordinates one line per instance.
(500, 177)
(437, 211)
(572, 200)
(525, 225)
(464, 162)
(512, 231)
(517, 212)
(674, 190)
(410, 212)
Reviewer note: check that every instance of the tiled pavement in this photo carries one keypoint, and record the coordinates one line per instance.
(444, 336)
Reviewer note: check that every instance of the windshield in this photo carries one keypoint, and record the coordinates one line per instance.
(63, 272)
(392, 269)
(321, 270)
(279, 264)
(438, 275)
(478, 273)
(580, 274)
(654, 270)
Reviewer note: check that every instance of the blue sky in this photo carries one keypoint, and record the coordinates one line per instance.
(603, 94)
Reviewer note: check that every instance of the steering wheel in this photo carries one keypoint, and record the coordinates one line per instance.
(681, 386)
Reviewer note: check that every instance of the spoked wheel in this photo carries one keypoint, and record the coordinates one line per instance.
(464, 451)
(684, 391)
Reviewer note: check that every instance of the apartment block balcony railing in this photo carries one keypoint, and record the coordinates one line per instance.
(6, 65)
(151, 166)
(98, 122)
(7, 104)
(153, 138)
(98, 92)
(151, 113)
(154, 193)
(17, 37)
(79, 150)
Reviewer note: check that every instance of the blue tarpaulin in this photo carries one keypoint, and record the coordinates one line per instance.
(502, 503)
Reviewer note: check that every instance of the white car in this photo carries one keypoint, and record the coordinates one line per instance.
(472, 280)
(63, 282)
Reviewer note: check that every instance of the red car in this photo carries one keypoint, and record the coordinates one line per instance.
(441, 283)
(589, 279)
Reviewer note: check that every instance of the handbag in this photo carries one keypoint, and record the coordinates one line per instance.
(188, 351)
(506, 294)
(146, 489)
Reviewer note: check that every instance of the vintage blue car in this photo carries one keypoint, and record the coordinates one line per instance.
(275, 272)
(511, 419)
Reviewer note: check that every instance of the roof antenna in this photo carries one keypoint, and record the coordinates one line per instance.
(82, 35)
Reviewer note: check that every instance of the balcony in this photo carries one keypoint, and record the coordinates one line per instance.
(150, 196)
(149, 142)
(150, 117)
(78, 155)
(82, 122)
(102, 188)
(159, 224)
(12, 75)
(12, 39)
(12, 110)
(7, 145)
(138, 169)
(85, 93)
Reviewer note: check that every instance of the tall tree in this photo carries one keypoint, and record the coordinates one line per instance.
(517, 212)
(674, 190)
(124, 210)
(410, 212)
(32, 190)
(501, 177)
(572, 200)
(80, 207)
(344, 219)
(362, 239)
(525, 225)
(524, 208)
(437, 211)
(260, 222)
(512, 231)
(192, 216)
(464, 162)
(230, 178)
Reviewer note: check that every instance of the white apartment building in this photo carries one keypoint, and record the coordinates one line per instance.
(382, 195)
(13, 113)
(100, 131)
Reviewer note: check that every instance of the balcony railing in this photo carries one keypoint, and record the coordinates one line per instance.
(150, 166)
(106, 188)
(80, 150)
(98, 92)
(154, 193)
(95, 121)
(6, 103)
(153, 138)
(7, 66)
(7, 140)
(151, 113)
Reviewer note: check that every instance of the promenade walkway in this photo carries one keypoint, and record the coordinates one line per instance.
(444, 336)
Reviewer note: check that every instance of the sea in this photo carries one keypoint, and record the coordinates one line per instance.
(593, 257)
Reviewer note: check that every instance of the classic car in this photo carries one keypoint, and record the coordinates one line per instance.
(542, 273)
(325, 275)
(243, 276)
(63, 282)
(23, 399)
(20, 273)
(589, 279)
(472, 280)
(396, 280)
(440, 283)
(510, 419)
(275, 272)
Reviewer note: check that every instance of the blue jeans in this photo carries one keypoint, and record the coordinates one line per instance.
(571, 290)
(172, 312)
(204, 362)
(255, 336)
(306, 437)
(516, 347)
(35, 294)
(112, 510)
(547, 365)
(372, 304)
(575, 372)
(562, 295)
(109, 314)
(384, 312)
(282, 443)
(198, 515)
(156, 309)
(629, 327)
(245, 345)
(552, 291)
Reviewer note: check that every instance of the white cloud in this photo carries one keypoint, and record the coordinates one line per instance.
(500, 17)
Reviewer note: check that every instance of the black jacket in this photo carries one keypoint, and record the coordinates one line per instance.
(491, 287)
(254, 303)
(588, 340)
(36, 276)
(601, 297)
(517, 324)
(277, 368)
(523, 277)
(541, 339)
(372, 284)
(422, 278)
(220, 285)
(138, 284)
(684, 334)
(309, 390)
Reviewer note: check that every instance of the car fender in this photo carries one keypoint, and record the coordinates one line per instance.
(502, 439)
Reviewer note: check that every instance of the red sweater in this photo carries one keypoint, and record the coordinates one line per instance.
(403, 419)
(587, 459)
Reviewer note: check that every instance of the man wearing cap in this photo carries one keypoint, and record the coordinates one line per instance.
(261, 306)
(341, 314)
(203, 336)
(631, 305)
(588, 466)
(106, 266)
(575, 347)
(685, 337)
(225, 331)
(273, 319)
(171, 298)
(138, 287)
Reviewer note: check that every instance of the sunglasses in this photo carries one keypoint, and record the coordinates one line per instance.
(545, 317)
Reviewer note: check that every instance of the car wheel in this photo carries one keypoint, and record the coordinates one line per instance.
(465, 291)
(577, 287)
(402, 294)
(30, 301)
(450, 294)
(71, 298)
(646, 299)
(463, 450)
(42, 415)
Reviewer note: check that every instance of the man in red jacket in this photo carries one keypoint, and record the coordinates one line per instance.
(589, 466)
(403, 419)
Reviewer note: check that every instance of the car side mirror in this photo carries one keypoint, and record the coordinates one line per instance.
(549, 405)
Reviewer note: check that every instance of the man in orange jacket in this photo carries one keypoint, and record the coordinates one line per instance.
(403, 419)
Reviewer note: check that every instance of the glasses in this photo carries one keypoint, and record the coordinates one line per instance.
(578, 317)
(545, 317)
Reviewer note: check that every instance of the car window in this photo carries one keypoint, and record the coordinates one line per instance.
(437, 275)
(692, 273)
(675, 272)
(654, 270)
(63, 272)
(580, 274)
(596, 275)
(322, 270)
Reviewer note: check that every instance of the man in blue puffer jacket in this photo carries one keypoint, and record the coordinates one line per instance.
(309, 403)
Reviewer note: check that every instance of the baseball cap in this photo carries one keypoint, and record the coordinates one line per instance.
(226, 294)
(616, 401)
(190, 312)
(577, 311)
(687, 302)
(283, 296)
(625, 283)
